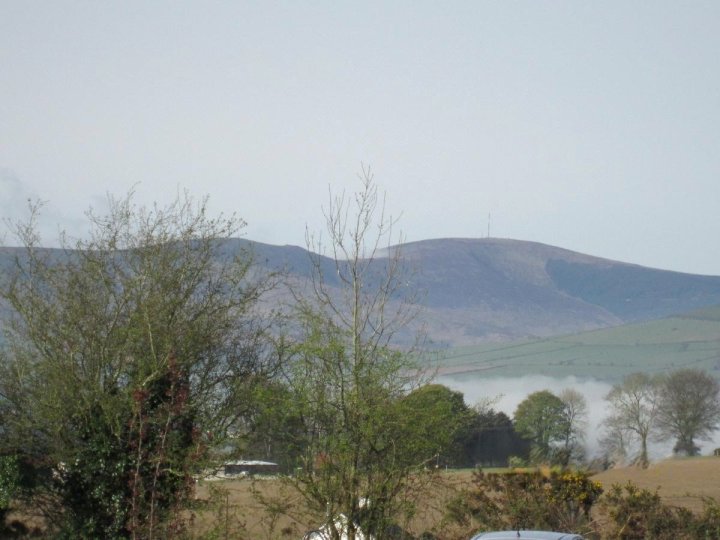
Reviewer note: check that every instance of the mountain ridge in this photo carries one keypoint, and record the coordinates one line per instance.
(498, 289)
(480, 290)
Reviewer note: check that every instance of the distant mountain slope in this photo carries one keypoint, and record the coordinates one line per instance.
(634, 292)
(498, 289)
(480, 290)
(689, 340)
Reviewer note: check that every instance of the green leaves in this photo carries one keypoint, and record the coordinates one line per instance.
(127, 358)
(9, 482)
(541, 419)
(527, 500)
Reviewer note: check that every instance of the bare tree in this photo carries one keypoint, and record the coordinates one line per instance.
(348, 380)
(689, 409)
(634, 410)
(616, 442)
(576, 421)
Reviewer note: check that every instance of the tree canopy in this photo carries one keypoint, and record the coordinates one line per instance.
(127, 360)
(689, 409)
(541, 418)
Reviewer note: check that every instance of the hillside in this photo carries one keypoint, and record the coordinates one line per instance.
(495, 289)
(688, 340)
(475, 291)
(498, 290)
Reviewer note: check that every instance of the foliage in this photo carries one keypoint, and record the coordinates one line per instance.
(440, 421)
(561, 500)
(490, 440)
(689, 409)
(541, 418)
(633, 414)
(638, 514)
(127, 360)
(517, 462)
(95, 486)
(9, 483)
(707, 523)
(458, 435)
(274, 428)
(684, 405)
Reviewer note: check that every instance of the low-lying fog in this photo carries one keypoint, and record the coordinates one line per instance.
(509, 392)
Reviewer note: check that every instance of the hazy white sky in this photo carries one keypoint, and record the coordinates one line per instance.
(594, 126)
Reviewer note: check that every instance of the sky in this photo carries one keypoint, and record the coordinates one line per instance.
(593, 126)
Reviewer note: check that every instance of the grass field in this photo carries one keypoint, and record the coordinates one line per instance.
(691, 341)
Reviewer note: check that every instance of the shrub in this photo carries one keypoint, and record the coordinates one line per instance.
(516, 462)
(707, 524)
(9, 483)
(639, 514)
(560, 500)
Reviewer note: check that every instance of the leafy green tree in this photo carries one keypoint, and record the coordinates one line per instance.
(274, 430)
(541, 418)
(348, 383)
(441, 421)
(634, 411)
(689, 409)
(491, 440)
(126, 362)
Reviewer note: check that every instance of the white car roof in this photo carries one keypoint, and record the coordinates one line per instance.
(526, 535)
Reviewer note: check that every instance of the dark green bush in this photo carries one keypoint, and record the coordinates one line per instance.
(9, 483)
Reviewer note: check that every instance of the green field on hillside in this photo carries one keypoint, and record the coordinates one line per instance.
(688, 341)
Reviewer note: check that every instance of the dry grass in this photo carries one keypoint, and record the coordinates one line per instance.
(249, 508)
(268, 509)
(680, 482)
(271, 509)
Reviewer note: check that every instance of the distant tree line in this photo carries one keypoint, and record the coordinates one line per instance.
(457, 435)
(683, 406)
